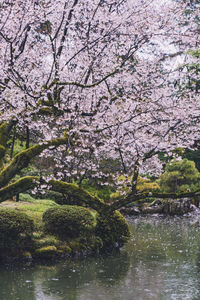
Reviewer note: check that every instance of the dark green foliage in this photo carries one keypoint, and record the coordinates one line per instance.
(68, 221)
(101, 191)
(2, 151)
(15, 228)
(110, 165)
(184, 153)
(86, 244)
(193, 155)
(113, 229)
(179, 176)
(55, 196)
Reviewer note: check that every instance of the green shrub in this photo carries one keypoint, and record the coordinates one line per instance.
(179, 176)
(113, 230)
(146, 185)
(68, 221)
(193, 155)
(15, 228)
(101, 191)
(26, 198)
(58, 197)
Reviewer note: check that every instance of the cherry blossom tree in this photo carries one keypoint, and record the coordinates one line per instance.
(85, 81)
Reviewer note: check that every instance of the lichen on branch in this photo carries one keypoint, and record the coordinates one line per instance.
(131, 198)
(5, 129)
(74, 191)
(19, 186)
(79, 194)
(23, 158)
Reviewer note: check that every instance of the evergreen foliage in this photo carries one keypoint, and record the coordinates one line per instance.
(179, 176)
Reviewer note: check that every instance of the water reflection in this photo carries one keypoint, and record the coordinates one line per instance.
(162, 261)
(112, 270)
(14, 283)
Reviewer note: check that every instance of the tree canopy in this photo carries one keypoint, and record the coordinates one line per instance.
(83, 81)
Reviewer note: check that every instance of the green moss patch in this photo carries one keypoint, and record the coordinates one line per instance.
(46, 252)
(33, 208)
(68, 221)
(16, 229)
(113, 230)
(48, 230)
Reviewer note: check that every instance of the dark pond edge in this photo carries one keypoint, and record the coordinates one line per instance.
(169, 207)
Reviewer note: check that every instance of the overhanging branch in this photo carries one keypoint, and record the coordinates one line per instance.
(131, 198)
(23, 158)
(74, 191)
(86, 86)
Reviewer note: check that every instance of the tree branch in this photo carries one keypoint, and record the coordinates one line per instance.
(136, 197)
(77, 193)
(5, 130)
(20, 186)
(85, 85)
(22, 159)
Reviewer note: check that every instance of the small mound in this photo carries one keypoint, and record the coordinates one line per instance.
(113, 230)
(68, 221)
(15, 228)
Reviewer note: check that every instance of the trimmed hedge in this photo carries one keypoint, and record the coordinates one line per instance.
(15, 228)
(113, 230)
(68, 221)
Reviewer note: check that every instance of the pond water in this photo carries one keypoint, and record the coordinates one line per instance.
(161, 262)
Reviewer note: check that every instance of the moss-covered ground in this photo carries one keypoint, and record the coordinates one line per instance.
(32, 207)
(47, 246)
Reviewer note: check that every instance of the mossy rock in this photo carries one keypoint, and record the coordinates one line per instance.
(113, 230)
(86, 245)
(27, 255)
(16, 229)
(68, 221)
(46, 240)
(64, 249)
(47, 252)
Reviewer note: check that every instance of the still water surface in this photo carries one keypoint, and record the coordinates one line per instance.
(161, 262)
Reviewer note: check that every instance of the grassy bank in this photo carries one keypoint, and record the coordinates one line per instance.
(44, 245)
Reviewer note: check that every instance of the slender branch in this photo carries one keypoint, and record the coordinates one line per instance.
(122, 160)
(66, 28)
(135, 177)
(61, 22)
(86, 85)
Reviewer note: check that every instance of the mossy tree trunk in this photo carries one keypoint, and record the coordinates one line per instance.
(82, 197)
(29, 182)
(5, 129)
(135, 197)
(23, 158)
